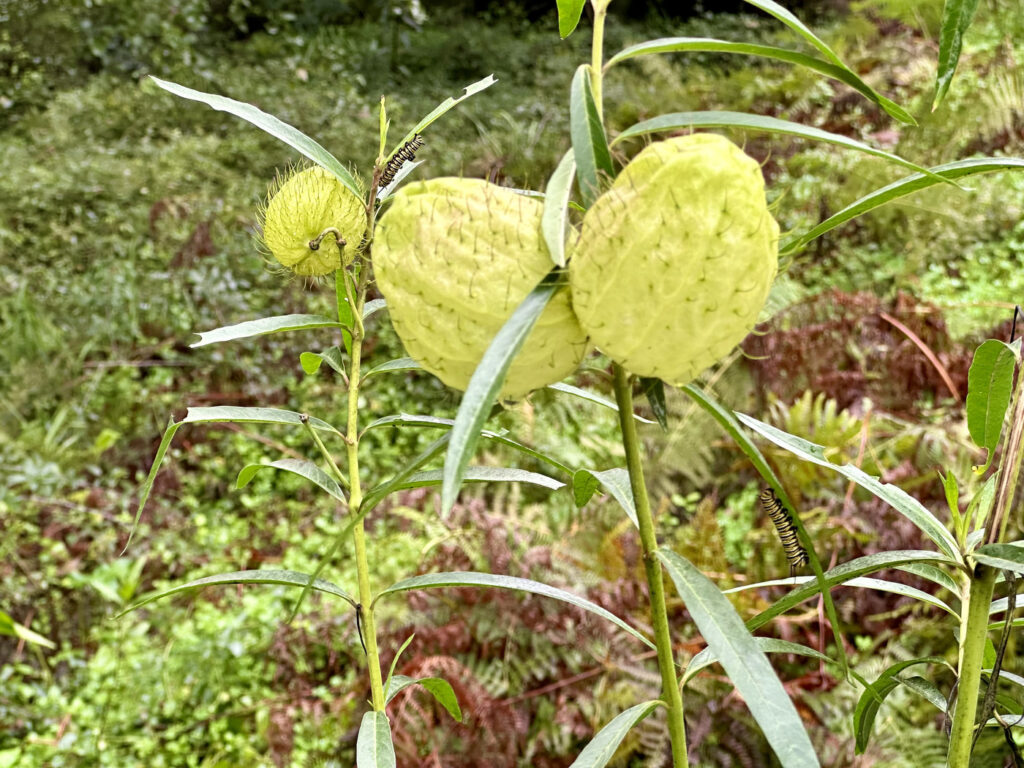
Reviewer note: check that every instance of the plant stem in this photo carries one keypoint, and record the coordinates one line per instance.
(597, 52)
(655, 580)
(973, 633)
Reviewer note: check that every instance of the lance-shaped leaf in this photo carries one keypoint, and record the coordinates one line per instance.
(744, 121)
(589, 143)
(1005, 557)
(432, 477)
(569, 12)
(893, 587)
(584, 394)
(603, 746)
(398, 364)
(448, 104)
(485, 384)
(956, 19)
(300, 467)
(374, 748)
(896, 497)
(284, 578)
(471, 579)
(654, 391)
(902, 188)
(874, 696)
(555, 216)
(747, 666)
(615, 481)
(839, 72)
(9, 626)
(707, 657)
(293, 137)
(438, 687)
(311, 361)
(989, 385)
(264, 326)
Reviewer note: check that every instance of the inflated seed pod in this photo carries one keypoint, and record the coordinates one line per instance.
(454, 258)
(674, 262)
(306, 218)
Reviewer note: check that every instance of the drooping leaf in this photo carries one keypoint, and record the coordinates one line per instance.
(1005, 557)
(707, 657)
(569, 12)
(311, 361)
(654, 391)
(471, 579)
(300, 467)
(881, 585)
(614, 481)
(293, 137)
(589, 143)
(585, 394)
(438, 687)
(745, 663)
(896, 497)
(786, 17)
(989, 385)
(926, 690)
(284, 578)
(555, 217)
(839, 71)
(874, 696)
(264, 326)
(485, 384)
(956, 19)
(603, 746)
(374, 748)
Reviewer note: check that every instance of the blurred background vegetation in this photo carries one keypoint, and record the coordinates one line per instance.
(127, 223)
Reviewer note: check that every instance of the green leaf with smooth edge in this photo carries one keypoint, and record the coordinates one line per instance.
(569, 389)
(654, 391)
(956, 19)
(450, 103)
(409, 420)
(880, 585)
(748, 122)
(952, 492)
(838, 72)
(375, 495)
(747, 666)
(614, 481)
(300, 467)
(374, 748)
(485, 384)
(989, 385)
(437, 687)
(398, 364)
(1005, 557)
(584, 486)
(264, 326)
(555, 216)
(978, 511)
(311, 361)
(471, 579)
(843, 573)
(896, 497)
(933, 574)
(926, 690)
(791, 21)
(432, 477)
(283, 578)
(293, 137)
(373, 307)
(874, 695)
(589, 143)
(9, 626)
(343, 285)
(605, 744)
(394, 663)
(902, 188)
(707, 657)
(569, 12)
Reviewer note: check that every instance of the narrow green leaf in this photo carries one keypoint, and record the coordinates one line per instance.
(438, 687)
(293, 137)
(707, 657)
(147, 486)
(569, 389)
(654, 391)
(311, 361)
(1005, 557)
(300, 467)
(485, 384)
(614, 481)
(343, 285)
(589, 143)
(450, 103)
(375, 495)
(902, 188)
(896, 497)
(398, 364)
(989, 385)
(391, 671)
(284, 578)
(569, 12)
(373, 744)
(952, 493)
(264, 326)
(605, 744)
(9, 626)
(880, 585)
(956, 19)
(681, 120)
(373, 307)
(747, 666)
(471, 579)
(978, 511)
(874, 695)
(432, 477)
(791, 21)
(836, 71)
(926, 690)
(555, 217)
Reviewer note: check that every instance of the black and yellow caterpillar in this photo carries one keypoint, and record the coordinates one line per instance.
(404, 155)
(783, 521)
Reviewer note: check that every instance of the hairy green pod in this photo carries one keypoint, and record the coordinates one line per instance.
(675, 261)
(454, 258)
(307, 218)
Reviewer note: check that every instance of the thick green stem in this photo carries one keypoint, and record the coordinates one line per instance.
(597, 52)
(655, 580)
(973, 633)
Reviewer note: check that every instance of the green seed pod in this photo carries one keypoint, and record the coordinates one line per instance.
(674, 262)
(307, 218)
(454, 258)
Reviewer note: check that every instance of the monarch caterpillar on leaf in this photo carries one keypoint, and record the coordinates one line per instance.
(405, 154)
(783, 522)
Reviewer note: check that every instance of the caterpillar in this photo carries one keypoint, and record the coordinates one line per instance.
(403, 155)
(783, 521)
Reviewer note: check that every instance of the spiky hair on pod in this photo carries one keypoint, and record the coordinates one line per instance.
(311, 223)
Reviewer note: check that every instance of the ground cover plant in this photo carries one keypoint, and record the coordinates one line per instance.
(128, 579)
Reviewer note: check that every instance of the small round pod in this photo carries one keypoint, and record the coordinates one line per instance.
(674, 262)
(306, 218)
(454, 258)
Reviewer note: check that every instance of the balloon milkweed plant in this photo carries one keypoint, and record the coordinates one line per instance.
(500, 292)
